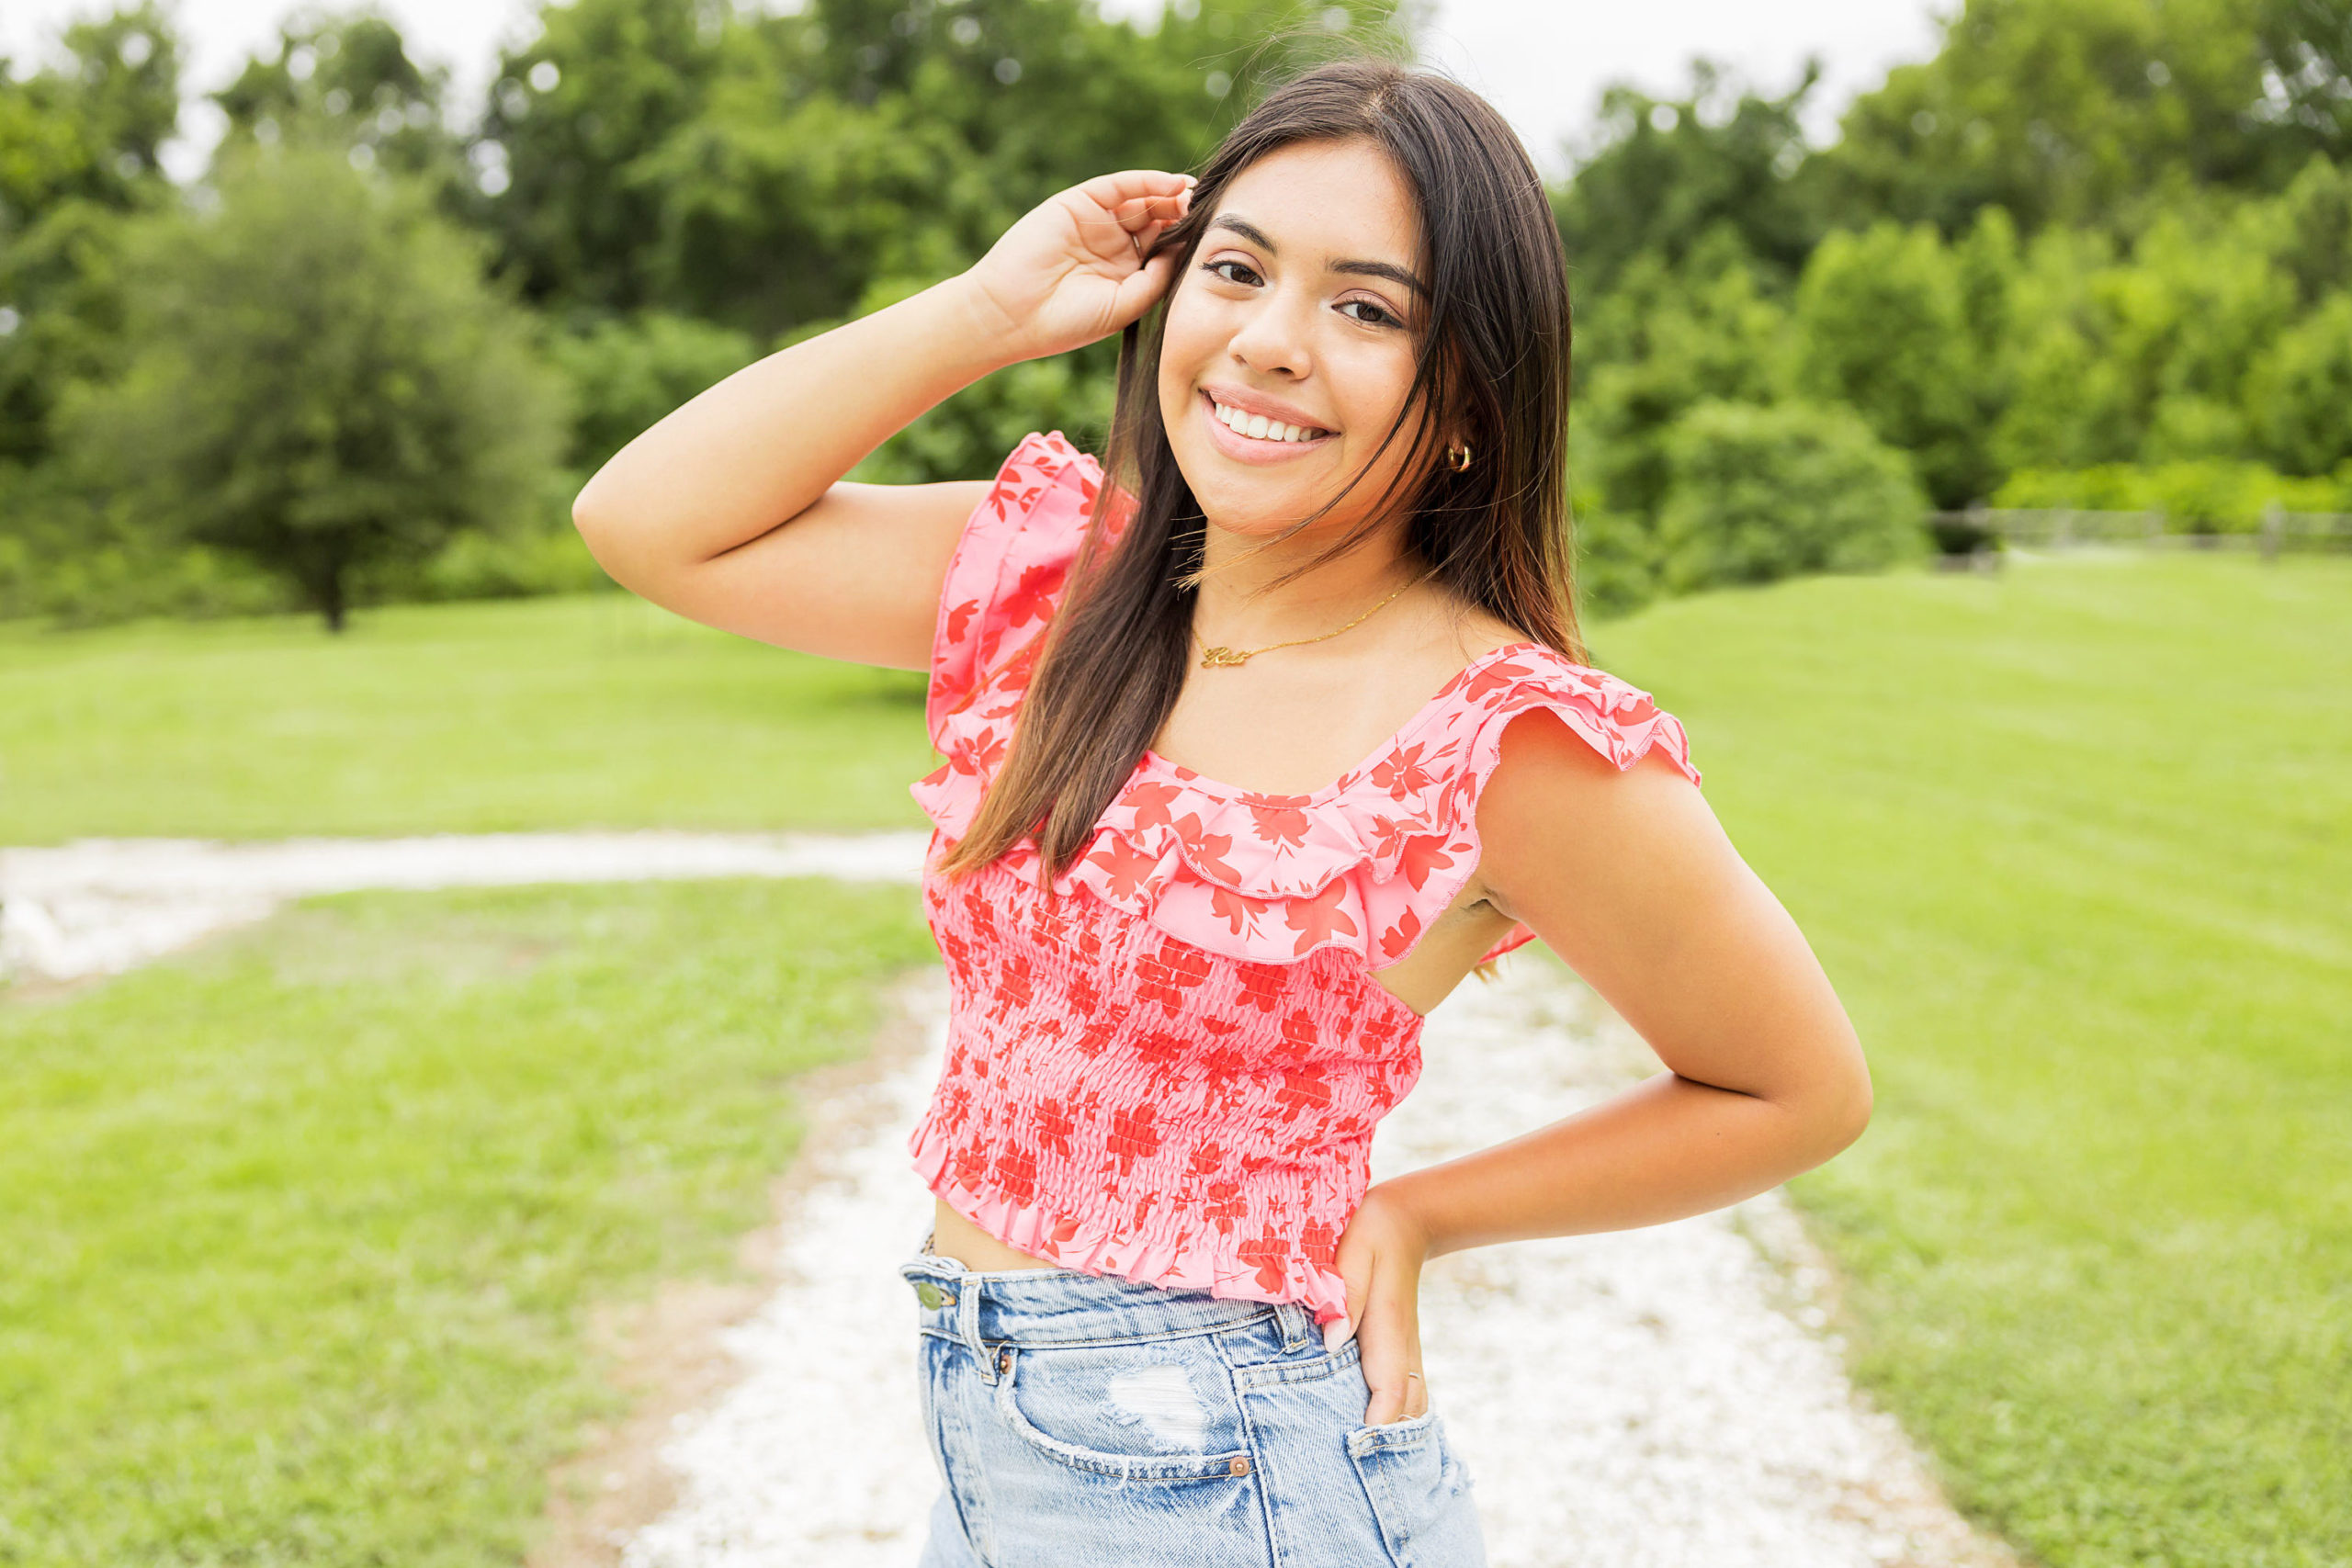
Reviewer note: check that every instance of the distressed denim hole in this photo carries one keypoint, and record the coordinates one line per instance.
(1160, 1400)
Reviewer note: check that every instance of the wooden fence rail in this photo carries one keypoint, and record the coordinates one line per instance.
(2058, 527)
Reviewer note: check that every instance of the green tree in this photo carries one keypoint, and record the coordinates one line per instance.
(1760, 493)
(2308, 46)
(768, 171)
(92, 128)
(2067, 111)
(79, 146)
(627, 374)
(1665, 340)
(1661, 175)
(346, 80)
(1883, 327)
(2300, 394)
(321, 382)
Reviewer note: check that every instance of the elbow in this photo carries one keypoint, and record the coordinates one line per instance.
(600, 530)
(1849, 1113)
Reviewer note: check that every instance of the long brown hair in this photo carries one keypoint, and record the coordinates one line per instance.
(1491, 364)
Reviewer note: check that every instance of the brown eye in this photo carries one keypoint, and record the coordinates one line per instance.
(1218, 267)
(1376, 318)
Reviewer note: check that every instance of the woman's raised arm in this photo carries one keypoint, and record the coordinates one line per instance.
(733, 510)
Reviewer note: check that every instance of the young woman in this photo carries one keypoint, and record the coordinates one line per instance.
(1260, 734)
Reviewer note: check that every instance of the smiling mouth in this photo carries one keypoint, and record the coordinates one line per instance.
(1258, 427)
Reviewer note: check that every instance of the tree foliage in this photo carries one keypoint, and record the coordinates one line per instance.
(319, 381)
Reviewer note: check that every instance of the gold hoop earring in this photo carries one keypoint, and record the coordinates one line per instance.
(1458, 457)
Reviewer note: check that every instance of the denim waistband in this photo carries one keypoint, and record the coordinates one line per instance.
(987, 1309)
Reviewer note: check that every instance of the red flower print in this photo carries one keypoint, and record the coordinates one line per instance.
(1165, 1055)
(1301, 1088)
(1208, 1159)
(959, 618)
(1054, 1126)
(1033, 597)
(1012, 988)
(978, 910)
(969, 1165)
(1271, 1256)
(1300, 1035)
(1401, 773)
(1262, 984)
(1134, 1134)
(1164, 976)
(1225, 1205)
(1319, 917)
(1207, 849)
(1127, 867)
(1277, 818)
(1399, 937)
(1318, 1243)
(980, 755)
(1017, 1174)
(1423, 856)
(1235, 910)
(1100, 1031)
(1495, 677)
(1151, 802)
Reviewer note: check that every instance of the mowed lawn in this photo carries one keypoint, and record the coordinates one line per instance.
(592, 711)
(2075, 846)
(301, 1232)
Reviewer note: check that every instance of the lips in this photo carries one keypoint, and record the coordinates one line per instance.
(1229, 426)
(1259, 425)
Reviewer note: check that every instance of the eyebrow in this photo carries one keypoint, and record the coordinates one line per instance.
(1257, 236)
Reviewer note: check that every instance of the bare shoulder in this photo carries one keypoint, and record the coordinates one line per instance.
(1558, 812)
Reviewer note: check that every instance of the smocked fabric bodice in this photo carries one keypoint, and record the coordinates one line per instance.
(1167, 1064)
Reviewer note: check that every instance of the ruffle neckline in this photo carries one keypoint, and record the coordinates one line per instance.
(1366, 863)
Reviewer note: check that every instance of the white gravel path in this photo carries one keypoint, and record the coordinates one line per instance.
(101, 905)
(1657, 1398)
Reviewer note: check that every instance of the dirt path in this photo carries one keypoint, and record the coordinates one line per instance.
(1667, 1397)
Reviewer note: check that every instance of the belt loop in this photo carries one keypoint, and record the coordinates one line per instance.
(1298, 1328)
(967, 1328)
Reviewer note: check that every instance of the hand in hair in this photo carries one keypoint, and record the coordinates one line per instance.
(1074, 269)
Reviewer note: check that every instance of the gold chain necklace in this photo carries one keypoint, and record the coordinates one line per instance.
(1230, 658)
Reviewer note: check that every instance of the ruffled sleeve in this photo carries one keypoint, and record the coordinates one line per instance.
(1006, 577)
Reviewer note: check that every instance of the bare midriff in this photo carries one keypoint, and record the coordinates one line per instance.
(958, 1239)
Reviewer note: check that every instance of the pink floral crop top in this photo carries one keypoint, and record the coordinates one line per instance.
(1170, 1070)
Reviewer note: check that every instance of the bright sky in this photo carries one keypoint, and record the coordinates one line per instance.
(1541, 61)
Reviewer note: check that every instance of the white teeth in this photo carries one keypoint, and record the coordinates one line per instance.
(1258, 426)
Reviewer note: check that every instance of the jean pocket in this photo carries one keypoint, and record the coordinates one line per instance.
(1127, 1411)
(1418, 1491)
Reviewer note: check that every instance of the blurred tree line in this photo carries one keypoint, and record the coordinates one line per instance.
(2091, 245)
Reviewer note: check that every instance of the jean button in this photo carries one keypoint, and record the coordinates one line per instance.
(929, 1292)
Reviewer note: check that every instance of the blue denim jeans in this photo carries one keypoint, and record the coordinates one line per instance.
(1087, 1421)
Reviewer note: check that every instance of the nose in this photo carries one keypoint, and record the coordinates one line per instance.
(1272, 336)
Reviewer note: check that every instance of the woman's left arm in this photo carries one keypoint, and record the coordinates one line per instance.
(1627, 876)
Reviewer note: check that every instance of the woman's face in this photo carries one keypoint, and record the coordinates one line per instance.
(1290, 340)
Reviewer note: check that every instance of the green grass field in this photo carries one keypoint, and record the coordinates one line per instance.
(2073, 843)
(593, 711)
(302, 1229)
(2077, 848)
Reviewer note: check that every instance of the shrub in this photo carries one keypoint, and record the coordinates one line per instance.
(628, 373)
(1760, 493)
(2210, 496)
(2301, 392)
